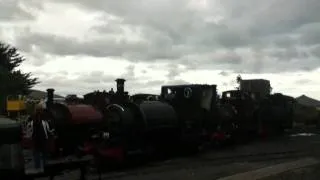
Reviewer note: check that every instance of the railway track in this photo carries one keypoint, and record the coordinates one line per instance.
(268, 152)
(199, 162)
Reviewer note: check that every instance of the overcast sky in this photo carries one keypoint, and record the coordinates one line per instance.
(77, 46)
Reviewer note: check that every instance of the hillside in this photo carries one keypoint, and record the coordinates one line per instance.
(36, 94)
(307, 101)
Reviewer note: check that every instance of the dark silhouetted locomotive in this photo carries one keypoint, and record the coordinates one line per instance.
(73, 124)
(258, 115)
(181, 118)
(113, 125)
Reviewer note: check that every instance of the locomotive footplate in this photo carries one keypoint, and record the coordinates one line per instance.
(54, 167)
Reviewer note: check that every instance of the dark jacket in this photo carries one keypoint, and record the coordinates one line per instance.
(39, 136)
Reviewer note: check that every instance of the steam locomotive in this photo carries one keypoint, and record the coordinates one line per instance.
(180, 119)
(113, 127)
(256, 116)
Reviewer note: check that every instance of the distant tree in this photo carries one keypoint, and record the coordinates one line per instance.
(270, 90)
(239, 79)
(12, 80)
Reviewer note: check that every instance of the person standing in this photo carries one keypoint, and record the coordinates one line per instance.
(40, 138)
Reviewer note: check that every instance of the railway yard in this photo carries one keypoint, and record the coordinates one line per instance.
(253, 134)
(293, 156)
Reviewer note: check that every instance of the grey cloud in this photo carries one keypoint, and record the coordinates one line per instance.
(156, 83)
(224, 73)
(286, 54)
(130, 73)
(88, 82)
(16, 10)
(265, 19)
(281, 41)
(228, 58)
(302, 81)
(98, 80)
(176, 82)
(144, 71)
(316, 51)
(63, 46)
(37, 58)
(173, 71)
(102, 47)
(96, 77)
(257, 36)
(273, 17)
(114, 28)
(310, 33)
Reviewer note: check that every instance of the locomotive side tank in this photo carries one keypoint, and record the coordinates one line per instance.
(148, 124)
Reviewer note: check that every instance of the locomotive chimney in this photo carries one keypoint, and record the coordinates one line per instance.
(50, 93)
(120, 85)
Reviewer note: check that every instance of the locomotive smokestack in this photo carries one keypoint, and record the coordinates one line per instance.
(120, 85)
(50, 93)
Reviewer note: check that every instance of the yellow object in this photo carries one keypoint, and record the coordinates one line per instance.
(16, 103)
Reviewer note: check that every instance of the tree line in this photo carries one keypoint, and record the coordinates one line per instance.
(12, 80)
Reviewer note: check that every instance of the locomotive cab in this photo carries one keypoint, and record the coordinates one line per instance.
(195, 106)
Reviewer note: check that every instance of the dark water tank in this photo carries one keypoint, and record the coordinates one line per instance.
(146, 116)
(159, 115)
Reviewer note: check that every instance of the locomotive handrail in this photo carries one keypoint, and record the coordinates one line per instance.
(115, 105)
